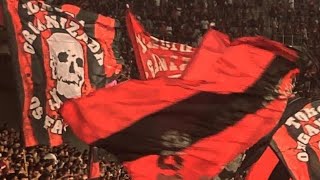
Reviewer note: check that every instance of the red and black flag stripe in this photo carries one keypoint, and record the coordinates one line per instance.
(261, 160)
(268, 167)
(59, 53)
(191, 127)
(264, 167)
(297, 142)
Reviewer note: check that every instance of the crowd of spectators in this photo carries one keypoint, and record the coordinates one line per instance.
(45, 163)
(293, 22)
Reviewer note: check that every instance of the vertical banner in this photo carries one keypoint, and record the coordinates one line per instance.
(61, 53)
(155, 57)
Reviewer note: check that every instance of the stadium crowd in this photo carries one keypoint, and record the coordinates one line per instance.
(45, 163)
(293, 22)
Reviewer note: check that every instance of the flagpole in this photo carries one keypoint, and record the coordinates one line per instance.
(90, 161)
(25, 162)
(117, 6)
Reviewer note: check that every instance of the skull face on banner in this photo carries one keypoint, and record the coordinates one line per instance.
(67, 64)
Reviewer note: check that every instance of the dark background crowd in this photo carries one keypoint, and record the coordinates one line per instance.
(293, 22)
(43, 163)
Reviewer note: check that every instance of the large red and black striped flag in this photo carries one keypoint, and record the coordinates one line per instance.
(59, 53)
(190, 128)
(297, 142)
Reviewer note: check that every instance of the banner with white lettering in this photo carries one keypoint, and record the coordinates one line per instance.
(297, 142)
(60, 53)
(155, 57)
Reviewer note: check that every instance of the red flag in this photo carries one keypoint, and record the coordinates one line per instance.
(59, 54)
(188, 128)
(263, 168)
(155, 57)
(213, 45)
(94, 172)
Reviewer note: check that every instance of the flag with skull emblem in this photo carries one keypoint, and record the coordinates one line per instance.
(59, 53)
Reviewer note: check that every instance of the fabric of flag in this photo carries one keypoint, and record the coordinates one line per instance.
(256, 160)
(263, 168)
(297, 142)
(94, 172)
(59, 53)
(191, 127)
(268, 167)
(155, 57)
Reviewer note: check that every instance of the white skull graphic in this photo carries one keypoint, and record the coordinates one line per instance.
(67, 62)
